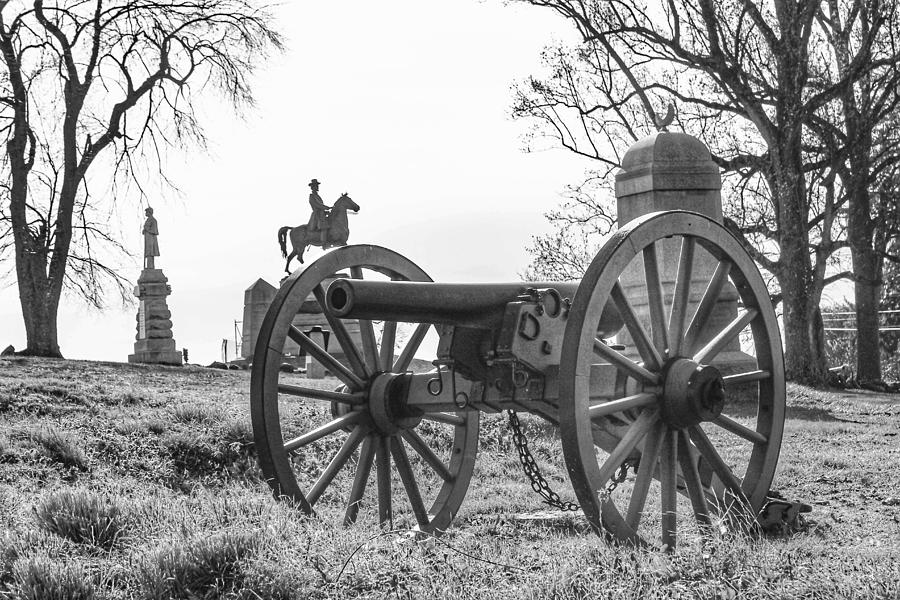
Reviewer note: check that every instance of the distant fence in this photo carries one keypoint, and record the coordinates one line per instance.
(841, 320)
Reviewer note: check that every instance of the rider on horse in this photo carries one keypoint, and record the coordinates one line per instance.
(318, 221)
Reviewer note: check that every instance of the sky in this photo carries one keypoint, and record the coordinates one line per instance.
(403, 104)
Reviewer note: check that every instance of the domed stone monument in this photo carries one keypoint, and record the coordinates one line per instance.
(675, 171)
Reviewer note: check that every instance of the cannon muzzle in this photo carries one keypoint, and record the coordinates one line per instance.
(476, 305)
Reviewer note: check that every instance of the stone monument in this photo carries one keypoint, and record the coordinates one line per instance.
(674, 171)
(154, 342)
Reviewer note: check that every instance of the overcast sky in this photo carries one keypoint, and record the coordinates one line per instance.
(403, 104)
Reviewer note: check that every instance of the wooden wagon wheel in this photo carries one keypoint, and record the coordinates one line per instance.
(306, 436)
(697, 438)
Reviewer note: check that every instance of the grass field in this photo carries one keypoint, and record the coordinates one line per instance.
(121, 481)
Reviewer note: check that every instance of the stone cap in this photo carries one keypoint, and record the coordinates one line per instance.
(261, 284)
(152, 276)
(667, 161)
(260, 291)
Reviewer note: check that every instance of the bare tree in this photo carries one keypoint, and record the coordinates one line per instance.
(861, 134)
(102, 86)
(744, 68)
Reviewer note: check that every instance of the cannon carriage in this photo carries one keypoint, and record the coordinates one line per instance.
(626, 364)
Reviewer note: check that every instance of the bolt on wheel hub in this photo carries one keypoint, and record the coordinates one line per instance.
(692, 393)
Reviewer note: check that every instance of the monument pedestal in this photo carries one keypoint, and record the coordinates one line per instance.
(154, 342)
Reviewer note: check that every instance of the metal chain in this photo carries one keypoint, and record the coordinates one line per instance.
(619, 476)
(538, 483)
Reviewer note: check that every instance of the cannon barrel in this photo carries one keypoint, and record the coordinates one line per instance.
(478, 305)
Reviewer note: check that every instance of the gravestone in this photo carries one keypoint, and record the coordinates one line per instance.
(674, 171)
(154, 342)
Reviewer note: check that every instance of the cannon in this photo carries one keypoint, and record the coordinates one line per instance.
(629, 374)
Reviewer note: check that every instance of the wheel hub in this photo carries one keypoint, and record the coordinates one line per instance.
(387, 402)
(692, 393)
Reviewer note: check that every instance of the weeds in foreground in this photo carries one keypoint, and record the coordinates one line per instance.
(39, 578)
(202, 414)
(60, 447)
(7, 454)
(238, 435)
(223, 451)
(198, 568)
(84, 518)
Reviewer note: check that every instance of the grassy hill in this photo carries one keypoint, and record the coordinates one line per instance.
(123, 481)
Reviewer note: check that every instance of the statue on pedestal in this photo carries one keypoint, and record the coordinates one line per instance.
(327, 227)
(151, 246)
(154, 342)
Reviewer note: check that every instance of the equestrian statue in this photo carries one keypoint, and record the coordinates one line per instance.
(327, 226)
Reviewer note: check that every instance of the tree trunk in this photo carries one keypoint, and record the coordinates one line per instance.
(804, 357)
(866, 261)
(804, 360)
(867, 294)
(39, 309)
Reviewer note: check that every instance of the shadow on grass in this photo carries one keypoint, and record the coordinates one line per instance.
(801, 413)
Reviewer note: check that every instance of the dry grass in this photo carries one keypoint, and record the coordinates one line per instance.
(43, 578)
(205, 567)
(60, 447)
(84, 517)
(172, 507)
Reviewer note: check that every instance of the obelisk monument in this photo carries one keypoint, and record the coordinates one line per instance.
(154, 342)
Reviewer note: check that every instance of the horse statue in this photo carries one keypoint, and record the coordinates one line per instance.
(337, 234)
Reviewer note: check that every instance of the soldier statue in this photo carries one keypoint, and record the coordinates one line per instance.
(327, 226)
(151, 246)
(318, 220)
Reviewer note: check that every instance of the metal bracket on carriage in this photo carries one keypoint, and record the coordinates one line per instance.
(780, 517)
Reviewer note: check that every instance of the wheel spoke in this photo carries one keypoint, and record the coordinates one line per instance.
(682, 295)
(646, 469)
(706, 306)
(621, 404)
(655, 299)
(635, 432)
(326, 360)
(446, 418)
(645, 347)
(409, 481)
(337, 463)
(412, 346)
(715, 345)
(624, 363)
(347, 420)
(388, 337)
(366, 330)
(316, 394)
(383, 476)
(739, 430)
(692, 480)
(748, 377)
(722, 471)
(422, 449)
(357, 363)
(363, 468)
(668, 481)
